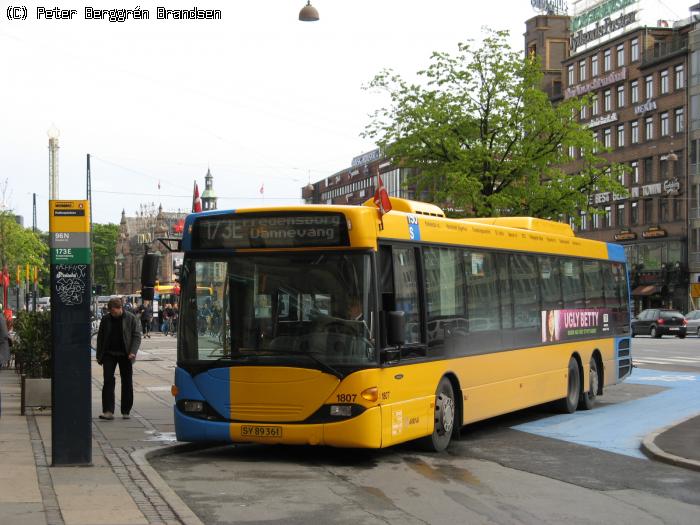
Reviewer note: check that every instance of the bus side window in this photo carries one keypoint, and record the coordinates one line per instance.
(406, 291)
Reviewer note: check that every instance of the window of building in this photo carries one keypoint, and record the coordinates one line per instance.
(695, 68)
(664, 124)
(607, 100)
(663, 209)
(634, 49)
(648, 211)
(677, 210)
(584, 220)
(607, 141)
(572, 152)
(606, 60)
(634, 126)
(694, 112)
(664, 81)
(635, 171)
(620, 177)
(595, 105)
(595, 221)
(649, 86)
(607, 217)
(620, 135)
(594, 66)
(620, 216)
(582, 70)
(663, 167)
(649, 128)
(679, 77)
(584, 110)
(620, 55)
(620, 96)
(679, 124)
(634, 213)
(648, 174)
(634, 91)
(570, 74)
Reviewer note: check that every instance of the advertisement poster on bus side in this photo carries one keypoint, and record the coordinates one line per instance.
(565, 325)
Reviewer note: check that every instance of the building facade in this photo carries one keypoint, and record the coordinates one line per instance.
(637, 79)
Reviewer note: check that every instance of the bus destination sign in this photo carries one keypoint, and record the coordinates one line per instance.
(290, 230)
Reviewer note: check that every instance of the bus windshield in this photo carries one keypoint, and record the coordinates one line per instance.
(314, 310)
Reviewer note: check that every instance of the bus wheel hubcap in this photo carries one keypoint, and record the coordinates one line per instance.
(446, 416)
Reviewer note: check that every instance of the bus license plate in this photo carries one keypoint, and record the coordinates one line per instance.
(260, 431)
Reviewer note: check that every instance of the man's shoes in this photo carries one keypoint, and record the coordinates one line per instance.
(126, 416)
(107, 415)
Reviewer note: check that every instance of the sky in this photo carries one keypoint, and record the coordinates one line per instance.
(260, 98)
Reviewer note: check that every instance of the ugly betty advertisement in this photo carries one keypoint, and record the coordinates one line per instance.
(582, 323)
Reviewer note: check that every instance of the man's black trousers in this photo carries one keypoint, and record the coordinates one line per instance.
(109, 365)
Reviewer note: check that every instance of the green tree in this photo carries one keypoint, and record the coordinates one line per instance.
(21, 246)
(104, 239)
(485, 138)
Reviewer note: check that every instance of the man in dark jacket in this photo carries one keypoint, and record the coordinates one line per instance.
(118, 341)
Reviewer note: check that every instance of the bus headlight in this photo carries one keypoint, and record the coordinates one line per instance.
(193, 406)
(341, 410)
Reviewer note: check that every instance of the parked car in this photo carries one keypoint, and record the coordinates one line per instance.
(693, 318)
(658, 321)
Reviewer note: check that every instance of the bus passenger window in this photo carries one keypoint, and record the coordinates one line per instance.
(593, 282)
(444, 288)
(406, 291)
(572, 283)
(526, 298)
(483, 307)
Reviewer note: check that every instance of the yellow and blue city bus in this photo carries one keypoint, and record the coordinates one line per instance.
(338, 327)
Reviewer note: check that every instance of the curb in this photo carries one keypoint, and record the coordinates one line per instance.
(180, 508)
(652, 451)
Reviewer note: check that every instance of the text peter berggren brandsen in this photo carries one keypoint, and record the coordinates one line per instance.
(123, 15)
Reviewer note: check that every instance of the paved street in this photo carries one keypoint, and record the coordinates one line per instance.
(667, 353)
(506, 470)
(529, 467)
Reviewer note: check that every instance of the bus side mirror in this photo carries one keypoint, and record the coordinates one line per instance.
(396, 328)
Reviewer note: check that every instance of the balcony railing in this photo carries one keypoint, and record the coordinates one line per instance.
(663, 49)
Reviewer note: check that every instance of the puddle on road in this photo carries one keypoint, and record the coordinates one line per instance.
(163, 437)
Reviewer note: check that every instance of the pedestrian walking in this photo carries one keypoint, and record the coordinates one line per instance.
(118, 341)
(146, 314)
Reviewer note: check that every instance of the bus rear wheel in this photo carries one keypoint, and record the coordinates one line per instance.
(569, 404)
(445, 412)
(588, 399)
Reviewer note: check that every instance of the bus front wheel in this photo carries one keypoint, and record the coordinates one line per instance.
(569, 404)
(445, 413)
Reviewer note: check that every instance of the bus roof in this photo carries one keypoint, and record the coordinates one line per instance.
(423, 222)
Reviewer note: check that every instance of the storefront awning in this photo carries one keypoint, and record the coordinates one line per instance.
(646, 290)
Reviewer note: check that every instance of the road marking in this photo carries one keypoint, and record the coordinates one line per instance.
(668, 360)
(620, 428)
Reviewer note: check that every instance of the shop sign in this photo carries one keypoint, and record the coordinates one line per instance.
(649, 105)
(602, 29)
(557, 7)
(597, 13)
(625, 235)
(651, 189)
(654, 233)
(672, 186)
(582, 89)
(366, 158)
(605, 119)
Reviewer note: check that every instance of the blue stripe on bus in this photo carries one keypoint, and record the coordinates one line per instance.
(189, 428)
(215, 385)
(616, 252)
(186, 387)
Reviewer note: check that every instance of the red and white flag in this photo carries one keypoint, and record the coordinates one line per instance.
(262, 188)
(381, 197)
(196, 201)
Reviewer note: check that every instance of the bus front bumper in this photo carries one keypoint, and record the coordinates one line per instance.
(363, 431)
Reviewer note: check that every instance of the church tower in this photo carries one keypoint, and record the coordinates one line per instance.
(208, 197)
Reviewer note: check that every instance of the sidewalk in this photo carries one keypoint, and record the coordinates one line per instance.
(120, 488)
(678, 444)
